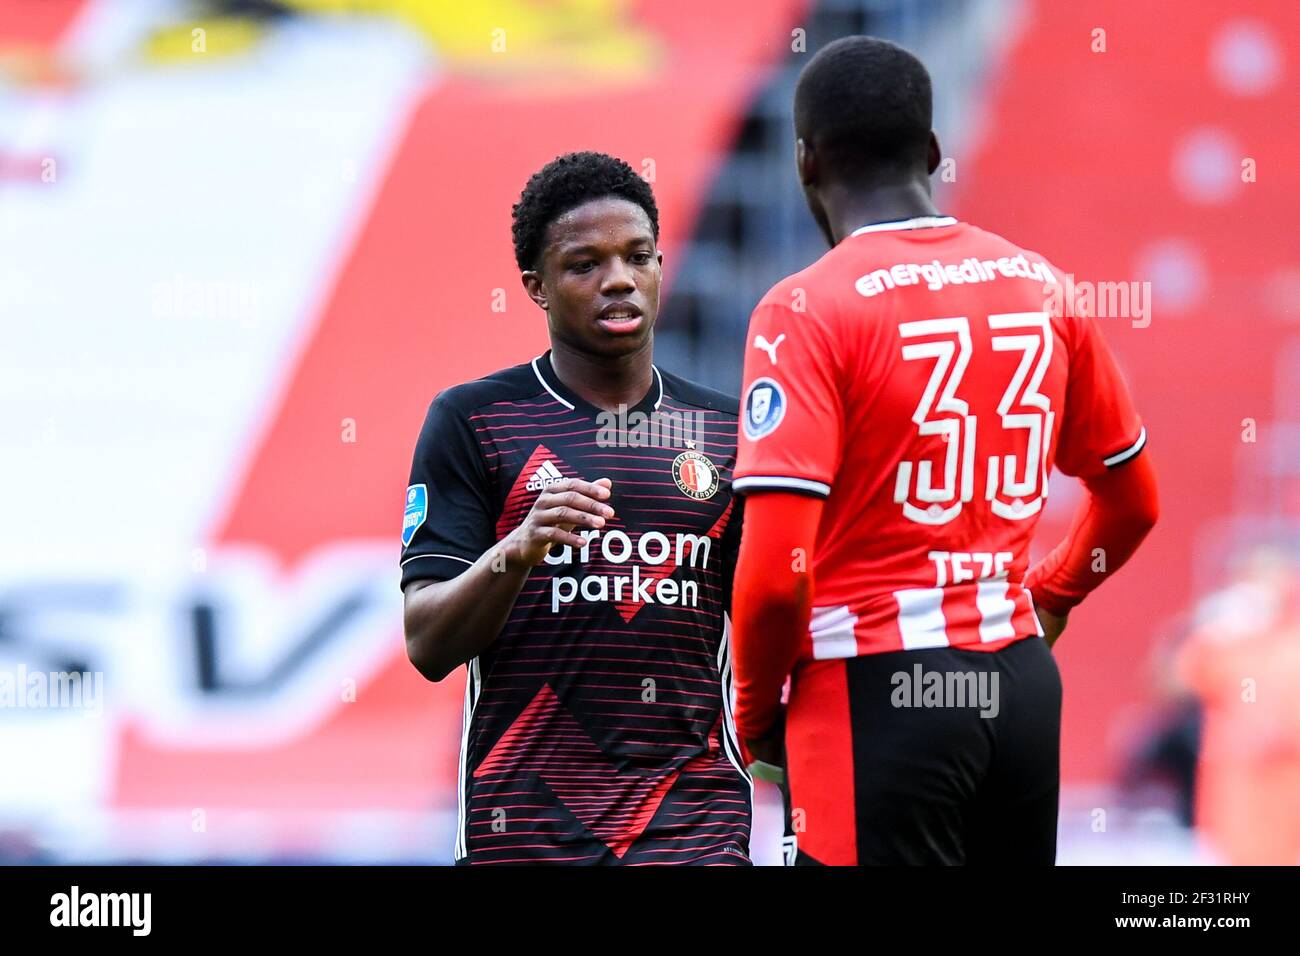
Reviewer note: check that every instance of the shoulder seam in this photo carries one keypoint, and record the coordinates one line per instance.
(467, 408)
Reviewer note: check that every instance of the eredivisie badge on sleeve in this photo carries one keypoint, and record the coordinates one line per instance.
(764, 407)
(417, 509)
(695, 475)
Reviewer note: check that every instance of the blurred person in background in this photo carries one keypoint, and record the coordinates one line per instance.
(1159, 760)
(1166, 752)
(1242, 660)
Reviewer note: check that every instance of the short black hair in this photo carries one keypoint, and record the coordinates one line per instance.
(569, 181)
(865, 103)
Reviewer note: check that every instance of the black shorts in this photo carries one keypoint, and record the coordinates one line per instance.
(890, 765)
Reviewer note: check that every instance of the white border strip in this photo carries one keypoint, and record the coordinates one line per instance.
(451, 557)
(1120, 457)
(776, 481)
(473, 685)
(730, 738)
(921, 222)
(546, 385)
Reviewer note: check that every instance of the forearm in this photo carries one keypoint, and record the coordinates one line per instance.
(772, 603)
(772, 611)
(1120, 509)
(450, 622)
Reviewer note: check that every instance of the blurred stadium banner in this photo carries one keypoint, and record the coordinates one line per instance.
(267, 243)
(244, 244)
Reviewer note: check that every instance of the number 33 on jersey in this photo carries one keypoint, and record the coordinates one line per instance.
(926, 390)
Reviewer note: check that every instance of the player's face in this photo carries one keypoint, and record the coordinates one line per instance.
(599, 281)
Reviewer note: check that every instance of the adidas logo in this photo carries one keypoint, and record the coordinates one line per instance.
(545, 476)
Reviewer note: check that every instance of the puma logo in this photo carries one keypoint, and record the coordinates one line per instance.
(761, 342)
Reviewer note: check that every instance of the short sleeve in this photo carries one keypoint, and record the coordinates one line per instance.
(790, 409)
(1101, 428)
(447, 523)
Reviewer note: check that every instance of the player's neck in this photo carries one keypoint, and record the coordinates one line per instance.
(852, 207)
(605, 382)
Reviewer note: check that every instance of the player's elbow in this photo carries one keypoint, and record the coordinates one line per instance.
(418, 655)
(1142, 504)
(1137, 516)
(773, 595)
(1131, 497)
(1146, 514)
(423, 655)
(425, 645)
(791, 592)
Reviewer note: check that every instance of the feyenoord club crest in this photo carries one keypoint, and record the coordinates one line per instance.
(695, 475)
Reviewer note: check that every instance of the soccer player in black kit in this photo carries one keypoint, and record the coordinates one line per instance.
(570, 536)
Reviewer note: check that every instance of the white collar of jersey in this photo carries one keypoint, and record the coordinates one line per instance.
(659, 382)
(920, 222)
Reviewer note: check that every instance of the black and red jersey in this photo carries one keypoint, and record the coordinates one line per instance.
(597, 725)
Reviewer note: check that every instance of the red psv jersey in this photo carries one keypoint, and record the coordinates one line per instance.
(925, 377)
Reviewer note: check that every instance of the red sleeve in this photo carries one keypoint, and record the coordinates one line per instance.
(1100, 428)
(1121, 507)
(790, 412)
(772, 602)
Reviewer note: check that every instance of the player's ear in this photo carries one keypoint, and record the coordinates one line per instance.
(533, 286)
(805, 161)
(935, 154)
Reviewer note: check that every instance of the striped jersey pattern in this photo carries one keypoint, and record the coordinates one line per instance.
(597, 726)
(932, 378)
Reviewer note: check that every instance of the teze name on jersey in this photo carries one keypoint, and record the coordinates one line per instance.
(927, 390)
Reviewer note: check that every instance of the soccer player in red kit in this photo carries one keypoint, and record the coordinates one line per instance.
(906, 398)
